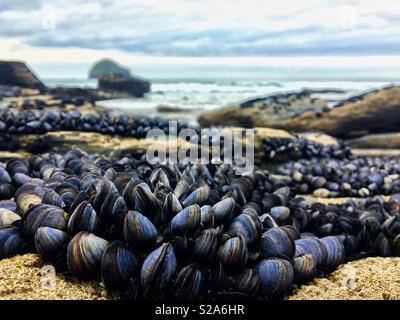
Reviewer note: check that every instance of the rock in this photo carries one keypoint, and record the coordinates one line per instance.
(17, 73)
(268, 111)
(376, 111)
(114, 145)
(164, 108)
(373, 112)
(132, 86)
(91, 142)
(105, 67)
(377, 141)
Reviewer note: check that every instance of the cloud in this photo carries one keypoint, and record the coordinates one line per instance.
(206, 27)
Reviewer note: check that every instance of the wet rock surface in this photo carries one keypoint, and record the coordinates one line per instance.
(16, 73)
(120, 84)
(374, 111)
(377, 141)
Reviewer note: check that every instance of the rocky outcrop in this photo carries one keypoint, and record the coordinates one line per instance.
(371, 112)
(116, 146)
(16, 73)
(106, 67)
(271, 111)
(129, 85)
(377, 141)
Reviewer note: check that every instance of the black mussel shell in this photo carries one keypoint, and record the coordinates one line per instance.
(43, 215)
(12, 241)
(278, 243)
(157, 270)
(119, 265)
(84, 254)
(188, 283)
(276, 277)
(233, 253)
(84, 218)
(50, 242)
(205, 245)
(139, 230)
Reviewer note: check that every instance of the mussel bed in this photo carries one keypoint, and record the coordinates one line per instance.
(182, 231)
(348, 177)
(39, 122)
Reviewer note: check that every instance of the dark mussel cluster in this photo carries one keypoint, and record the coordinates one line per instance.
(289, 149)
(355, 176)
(369, 227)
(8, 142)
(39, 122)
(179, 232)
(12, 143)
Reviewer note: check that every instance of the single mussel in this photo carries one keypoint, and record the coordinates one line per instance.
(139, 230)
(305, 268)
(247, 282)
(147, 203)
(9, 205)
(53, 198)
(276, 277)
(217, 278)
(233, 253)
(335, 251)
(7, 217)
(277, 242)
(223, 210)
(84, 218)
(205, 245)
(119, 265)
(157, 176)
(188, 283)
(84, 254)
(172, 205)
(280, 213)
(12, 242)
(185, 222)
(198, 196)
(27, 200)
(381, 246)
(207, 217)
(4, 176)
(157, 270)
(50, 242)
(248, 226)
(68, 193)
(43, 215)
(113, 209)
(350, 243)
(313, 246)
(6, 191)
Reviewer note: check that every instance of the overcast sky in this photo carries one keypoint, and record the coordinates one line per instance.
(83, 30)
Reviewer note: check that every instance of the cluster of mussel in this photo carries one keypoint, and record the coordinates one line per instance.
(301, 148)
(368, 227)
(181, 231)
(12, 143)
(354, 176)
(8, 142)
(39, 122)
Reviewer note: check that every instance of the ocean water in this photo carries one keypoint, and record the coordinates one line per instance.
(197, 89)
